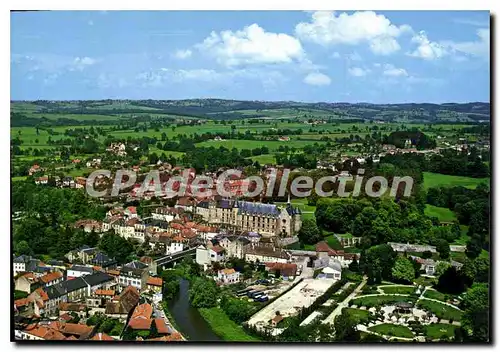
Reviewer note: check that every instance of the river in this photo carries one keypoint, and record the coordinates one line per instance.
(188, 319)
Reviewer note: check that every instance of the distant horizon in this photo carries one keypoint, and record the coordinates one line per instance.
(255, 100)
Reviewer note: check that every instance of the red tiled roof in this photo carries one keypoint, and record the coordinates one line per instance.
(155, 281)
(140, 323)
(71, 329)
(228, 271)
(44, 332)
(51, 277)
(132, 210)
(143, 310)
(173, 337)
(105, 292)
(176, 226)
(286, 269)
(21, 302)
(101, 336)
(217, 249)
(161, 326)
(66, 317)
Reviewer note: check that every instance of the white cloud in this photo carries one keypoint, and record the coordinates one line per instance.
(479, 47)
(358, 71)
(390, 70)
(336, 55)
(164, 76)
(79, 63)
(317, 79)
(328, 28)
(427, 49)
(472, 22)
(252, 45)
(183, 54)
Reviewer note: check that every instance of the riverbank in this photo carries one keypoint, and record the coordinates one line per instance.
(224, 327)
(171, 319)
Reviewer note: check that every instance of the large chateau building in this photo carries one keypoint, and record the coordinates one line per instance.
(266, 219)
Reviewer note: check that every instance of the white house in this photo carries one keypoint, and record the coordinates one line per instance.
(332, 272)
(216, 254)
(228, 276)
(175, 247)
(79, 271)
(202, 256)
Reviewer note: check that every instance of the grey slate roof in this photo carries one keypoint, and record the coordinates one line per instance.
(257, 209)
(82, 268)
(97, 278)
(136, 265)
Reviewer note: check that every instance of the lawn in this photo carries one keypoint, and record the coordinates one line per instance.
(443, 214)
(376, 301)
(435, 295)
(362, 316)
(404, 290)
(438, 331)
(435, 180)
(442, 311)
(392, 330)
(225, 327)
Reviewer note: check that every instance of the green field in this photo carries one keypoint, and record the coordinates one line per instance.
(443, 214)
(263, 159)
(225, 327)
(392, 330)
(435, 180)
(442, 311)
(438, 331)
(248, 144)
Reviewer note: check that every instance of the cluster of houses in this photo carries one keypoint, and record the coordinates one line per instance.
(87, 283)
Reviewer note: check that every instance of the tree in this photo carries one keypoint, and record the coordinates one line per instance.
(116, 247)
(203, 293)
(441, 268)
(443, 248)
(23, 248)
(403, 270)
(426, 254)
(476, 312)
(354, 266)
(309, 232)
(345, 328)
(377, 263)
(482, 268)
(451, 281)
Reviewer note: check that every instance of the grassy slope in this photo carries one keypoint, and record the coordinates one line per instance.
(435, 180)
(443, 214)
(225, 327)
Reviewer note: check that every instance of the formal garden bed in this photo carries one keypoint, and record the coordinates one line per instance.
(380, 300)
(442, 311)
(439, 331)
(392, 330)
(395, 289)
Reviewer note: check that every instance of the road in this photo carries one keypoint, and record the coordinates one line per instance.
(331, 318)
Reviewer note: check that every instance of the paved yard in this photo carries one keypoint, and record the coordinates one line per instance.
(302, 295)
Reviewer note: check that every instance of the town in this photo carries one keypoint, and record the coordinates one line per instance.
(294, 212)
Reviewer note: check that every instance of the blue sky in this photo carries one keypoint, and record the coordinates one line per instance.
(354, 56)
